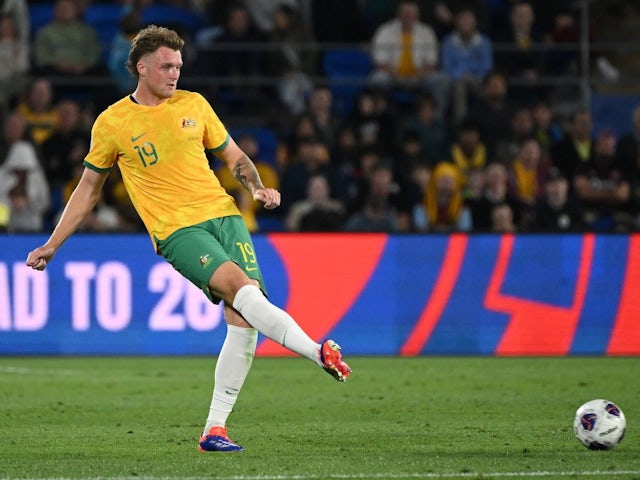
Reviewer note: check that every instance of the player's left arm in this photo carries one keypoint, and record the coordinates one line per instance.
(244, 170)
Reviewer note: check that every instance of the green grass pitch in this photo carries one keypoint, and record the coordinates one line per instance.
(396, 418)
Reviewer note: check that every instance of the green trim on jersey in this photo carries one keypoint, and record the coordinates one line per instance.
(96, 169)
(221, 147)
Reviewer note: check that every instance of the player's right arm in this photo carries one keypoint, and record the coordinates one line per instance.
(81, 203)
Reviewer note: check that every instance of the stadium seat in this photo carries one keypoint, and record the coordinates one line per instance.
(174, 17)
(40, 15)
(104, 18)
(347, 71)
(268, 223)
(266, 138)
(106, 13)
(613, 112)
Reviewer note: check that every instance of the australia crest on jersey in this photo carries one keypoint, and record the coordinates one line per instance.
(188, 123)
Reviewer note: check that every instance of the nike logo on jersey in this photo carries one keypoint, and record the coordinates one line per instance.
(133, 139)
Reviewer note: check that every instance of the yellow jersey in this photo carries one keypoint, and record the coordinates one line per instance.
(160, 151)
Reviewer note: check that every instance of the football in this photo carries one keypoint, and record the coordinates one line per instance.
(599, 424)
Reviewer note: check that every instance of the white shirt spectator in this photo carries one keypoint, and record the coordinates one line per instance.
(24, 187)
(19, 10)
(14, 54)
(387, 45)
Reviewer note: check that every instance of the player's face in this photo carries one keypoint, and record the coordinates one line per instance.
(160, 71)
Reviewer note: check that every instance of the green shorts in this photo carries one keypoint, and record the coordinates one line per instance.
(197, 251)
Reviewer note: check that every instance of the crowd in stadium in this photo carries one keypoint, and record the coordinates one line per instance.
(442, 132)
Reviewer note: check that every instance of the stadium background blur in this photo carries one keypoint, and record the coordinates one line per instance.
(544, 138)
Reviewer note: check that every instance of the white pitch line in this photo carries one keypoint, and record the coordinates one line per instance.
(378, 476)
(35, 371)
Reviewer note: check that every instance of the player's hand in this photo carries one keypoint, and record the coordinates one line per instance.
(38, 258)
(270, 197)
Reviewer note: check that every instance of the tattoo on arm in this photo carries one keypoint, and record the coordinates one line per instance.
(246, 173)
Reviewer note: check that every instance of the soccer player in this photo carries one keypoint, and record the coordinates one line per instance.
(158, 136)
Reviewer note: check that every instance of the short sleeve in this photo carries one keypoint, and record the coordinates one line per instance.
(215, 133)
(103, 151)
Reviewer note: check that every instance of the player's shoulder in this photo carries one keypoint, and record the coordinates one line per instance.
(117, 117)
(187, 96)
(116, 111)
(191, 103)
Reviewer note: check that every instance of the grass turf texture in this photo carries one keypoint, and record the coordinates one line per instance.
(395, 418)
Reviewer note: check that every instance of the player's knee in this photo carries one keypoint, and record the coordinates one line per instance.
(227, 280)
(232, 317)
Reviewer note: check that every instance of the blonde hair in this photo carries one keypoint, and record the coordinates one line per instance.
(148, 40)
(454, 207)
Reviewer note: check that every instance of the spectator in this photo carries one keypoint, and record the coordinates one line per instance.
(5, 213)
(528, 171)
(496, 191)
(628, 146)
(440, 14)
(406, 161)
(557, 211)
(522, 57)
(565, 30)
(575, 149)
(409, 152)
(312, 157)
(23, 185)
(628, 159)
(468, 152)
(405, 54)
(568, 30)
(14, 58)
(237, 58)
(302, 128)
(19, 11)
(67, 146)
(602, 189)
(419, 176)
(492, 113)
(403, 195)
(521, 128)
(357, 181)
(318, 212)
(38, 110)
(545, 129)
(474, 189)
(128, 25)
(14, 129)
(292, 58)
(431, 130)
(344, 155)
(320, 108)
(373, 121)
(378, 213)
(502, 219)
(446, 211)
(263, 12)
(467, 56)
(67, 45)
